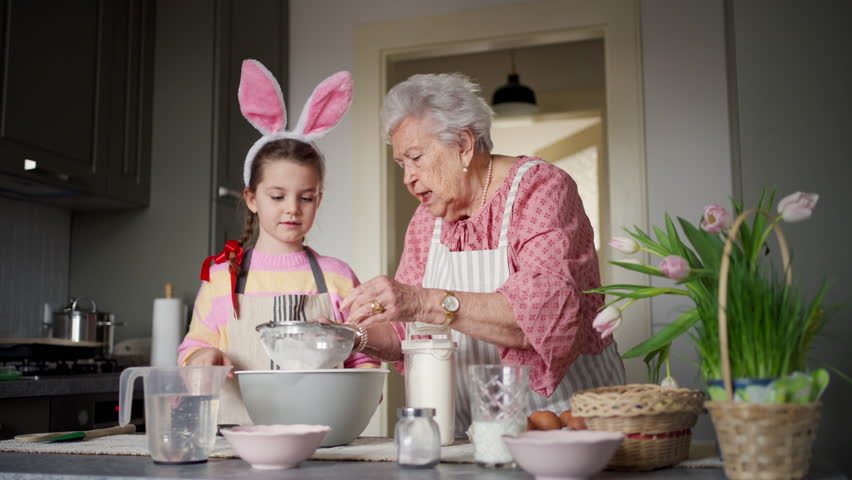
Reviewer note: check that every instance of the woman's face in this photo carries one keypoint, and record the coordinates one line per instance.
(433, 169)
(286, 202)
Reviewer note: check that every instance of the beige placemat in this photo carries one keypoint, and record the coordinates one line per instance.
(111, 445)
(364, 449)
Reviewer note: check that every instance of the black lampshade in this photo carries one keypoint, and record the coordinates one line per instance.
(513, 97)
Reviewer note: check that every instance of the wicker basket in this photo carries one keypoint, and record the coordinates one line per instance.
(767, 442)
(758, 441)
(656, 421)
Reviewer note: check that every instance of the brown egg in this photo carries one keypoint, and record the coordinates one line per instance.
(544, 420)
(572, 422)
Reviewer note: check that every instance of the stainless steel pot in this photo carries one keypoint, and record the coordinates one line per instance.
(72, 323)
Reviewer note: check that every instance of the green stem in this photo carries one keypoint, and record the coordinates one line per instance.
(652, 251)
(631, 302)
(668, 368)
(762, 240)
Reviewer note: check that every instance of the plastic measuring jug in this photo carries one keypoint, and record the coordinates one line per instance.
(181, 406)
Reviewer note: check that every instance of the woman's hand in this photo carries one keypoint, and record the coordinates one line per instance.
(210, 356)
(383, 299)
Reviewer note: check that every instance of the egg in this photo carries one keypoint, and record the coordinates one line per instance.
(572, 422)
(544, 420)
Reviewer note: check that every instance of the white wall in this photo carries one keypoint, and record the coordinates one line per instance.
(687, 138)
(321, 43)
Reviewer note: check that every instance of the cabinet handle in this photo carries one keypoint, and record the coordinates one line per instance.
(225, 192)
(32, 166)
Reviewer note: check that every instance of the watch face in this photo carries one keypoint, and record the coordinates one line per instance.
(450, 303)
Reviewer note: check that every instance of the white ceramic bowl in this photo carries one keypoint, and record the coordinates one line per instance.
(342, 398)
(272, 447)
(563, 454)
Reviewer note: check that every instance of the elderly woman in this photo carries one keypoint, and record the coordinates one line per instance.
(500, 251)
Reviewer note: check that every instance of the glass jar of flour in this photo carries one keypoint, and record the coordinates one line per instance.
(418, 442)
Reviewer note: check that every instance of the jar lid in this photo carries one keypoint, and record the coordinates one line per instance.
(407, 412)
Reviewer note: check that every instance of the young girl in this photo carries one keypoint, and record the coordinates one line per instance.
(279, 278)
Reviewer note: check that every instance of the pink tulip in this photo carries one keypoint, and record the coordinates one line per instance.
(675, 267)
(797, 206)
(624, 244)
(607, 321)
(716, 219)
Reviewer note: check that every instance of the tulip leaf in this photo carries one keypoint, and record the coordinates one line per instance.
(665, 336)
(647, 269)
(707, 245)
(663, 240)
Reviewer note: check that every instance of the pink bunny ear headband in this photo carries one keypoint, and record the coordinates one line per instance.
(262, 103)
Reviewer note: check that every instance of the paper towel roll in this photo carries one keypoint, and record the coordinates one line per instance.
(167, 331)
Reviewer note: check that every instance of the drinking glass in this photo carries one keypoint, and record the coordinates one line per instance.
(498, 406)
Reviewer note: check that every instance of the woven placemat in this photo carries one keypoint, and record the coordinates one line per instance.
(366, 449)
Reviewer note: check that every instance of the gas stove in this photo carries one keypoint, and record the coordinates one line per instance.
(35, 369)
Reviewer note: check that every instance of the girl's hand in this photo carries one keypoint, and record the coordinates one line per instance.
(381, 300)
(210, 356)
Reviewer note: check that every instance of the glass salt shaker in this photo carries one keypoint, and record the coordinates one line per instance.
(417, 438)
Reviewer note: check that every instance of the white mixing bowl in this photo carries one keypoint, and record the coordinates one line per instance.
(342, 398)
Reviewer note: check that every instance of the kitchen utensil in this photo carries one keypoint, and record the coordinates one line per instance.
(78, 325)
(563, 454)
(295, 345)
(274, 447)
(498, 403)
(64, 436)
(181, 406)
(342, 398)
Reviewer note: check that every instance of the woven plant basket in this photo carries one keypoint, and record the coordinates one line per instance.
(759, 441)
(657, 422)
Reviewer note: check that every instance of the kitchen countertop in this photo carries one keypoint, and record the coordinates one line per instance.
(51, 385)
(20, 466)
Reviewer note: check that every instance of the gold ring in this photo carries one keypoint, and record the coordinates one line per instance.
(377, 307)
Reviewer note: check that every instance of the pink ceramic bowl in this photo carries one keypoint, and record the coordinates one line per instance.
(563, 454)
(271, 447)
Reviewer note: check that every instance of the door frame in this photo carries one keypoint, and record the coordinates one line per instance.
(617, 22)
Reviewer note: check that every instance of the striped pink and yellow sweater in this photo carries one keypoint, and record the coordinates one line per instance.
(269, 275)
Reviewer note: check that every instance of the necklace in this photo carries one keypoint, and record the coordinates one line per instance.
(487, 182)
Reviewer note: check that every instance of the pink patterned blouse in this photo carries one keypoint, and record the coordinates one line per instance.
(552, 260)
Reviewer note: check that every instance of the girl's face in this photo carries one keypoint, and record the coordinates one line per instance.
(286, 202)
(433, 169)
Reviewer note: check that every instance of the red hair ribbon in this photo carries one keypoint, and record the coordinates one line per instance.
(233, 249)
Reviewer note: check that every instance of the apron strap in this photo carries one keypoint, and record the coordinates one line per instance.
(317, 271)
(241, 279)
(510, 202)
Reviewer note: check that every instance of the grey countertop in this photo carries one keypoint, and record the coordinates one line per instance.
(61, 385)
(58, 467)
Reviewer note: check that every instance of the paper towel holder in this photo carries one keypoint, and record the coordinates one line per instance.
(169, 290)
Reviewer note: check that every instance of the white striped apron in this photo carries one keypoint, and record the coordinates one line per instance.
(484, 271)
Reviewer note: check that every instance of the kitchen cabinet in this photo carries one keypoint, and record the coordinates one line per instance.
(255, 29)
(76, 88)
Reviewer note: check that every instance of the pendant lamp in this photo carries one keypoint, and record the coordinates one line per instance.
(513, 98)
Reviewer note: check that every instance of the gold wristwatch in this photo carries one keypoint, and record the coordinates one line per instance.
(451, 305)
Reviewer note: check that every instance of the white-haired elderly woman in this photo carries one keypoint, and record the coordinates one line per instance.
(499, 251)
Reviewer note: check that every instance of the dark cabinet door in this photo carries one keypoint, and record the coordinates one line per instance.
(54, 90)
(256, 29)
(131, 78)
